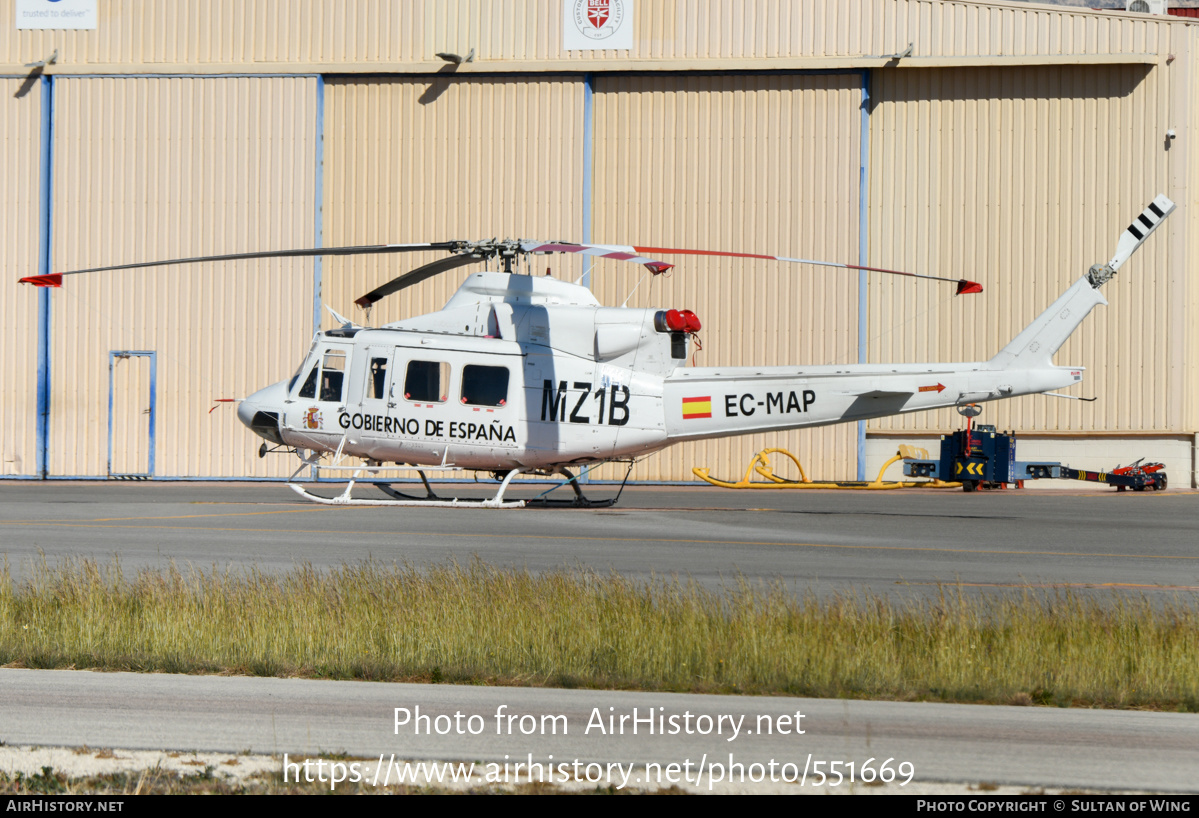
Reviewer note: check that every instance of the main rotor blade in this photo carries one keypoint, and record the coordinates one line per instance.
(416, 277)
(55, 279)
(620, 252)
(963, 285)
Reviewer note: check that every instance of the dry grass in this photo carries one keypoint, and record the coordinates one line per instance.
(475, 623)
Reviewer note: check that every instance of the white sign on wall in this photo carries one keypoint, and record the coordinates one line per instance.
(592, 24)
(56, 14)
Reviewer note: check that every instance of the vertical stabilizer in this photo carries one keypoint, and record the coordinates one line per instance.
(1035, 346)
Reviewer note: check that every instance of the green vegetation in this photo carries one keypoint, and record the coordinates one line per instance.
(478, 624)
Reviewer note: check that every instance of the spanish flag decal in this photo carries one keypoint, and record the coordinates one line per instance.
(697, 407)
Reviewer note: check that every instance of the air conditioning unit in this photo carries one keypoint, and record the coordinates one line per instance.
(1147, 6)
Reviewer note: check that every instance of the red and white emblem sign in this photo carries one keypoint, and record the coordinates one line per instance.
(590, 24)
(597, 12)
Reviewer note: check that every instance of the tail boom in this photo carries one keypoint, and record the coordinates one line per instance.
(712, 402)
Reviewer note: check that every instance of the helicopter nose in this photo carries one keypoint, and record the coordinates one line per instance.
(262, 410)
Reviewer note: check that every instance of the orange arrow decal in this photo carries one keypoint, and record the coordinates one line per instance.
(938, 388)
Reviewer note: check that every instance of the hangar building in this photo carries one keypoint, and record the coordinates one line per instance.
(1004, 142)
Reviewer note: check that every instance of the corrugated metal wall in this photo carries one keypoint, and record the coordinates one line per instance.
(760, 164)
(20, 146)
(150, 168)
(257, 34)
(434, 159)
(1021, 179)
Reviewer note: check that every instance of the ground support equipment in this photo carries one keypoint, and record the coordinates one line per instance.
(981, 457)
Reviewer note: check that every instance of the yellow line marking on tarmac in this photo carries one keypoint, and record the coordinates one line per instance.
(475, 535)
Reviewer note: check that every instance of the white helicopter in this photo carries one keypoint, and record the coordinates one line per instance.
(529, 374)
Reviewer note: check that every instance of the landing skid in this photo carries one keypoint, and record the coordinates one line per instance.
(431, 499)
(344, 499)
(398, 498)
(579, 501)
(399, 495)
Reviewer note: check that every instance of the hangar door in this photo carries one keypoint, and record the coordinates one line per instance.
(150, 168)
(754, 163)
(1022, 179)
(420, 159)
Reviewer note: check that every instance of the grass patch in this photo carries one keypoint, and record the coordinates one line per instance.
(478, 624)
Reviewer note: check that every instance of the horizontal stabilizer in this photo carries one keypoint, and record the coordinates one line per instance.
(880, 393)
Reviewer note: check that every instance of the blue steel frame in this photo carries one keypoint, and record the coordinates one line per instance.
(319, 196)
(112, 358)
(863, 251)
(42, 425)
(588, 162)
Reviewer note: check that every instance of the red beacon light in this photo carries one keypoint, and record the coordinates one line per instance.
(676, 321)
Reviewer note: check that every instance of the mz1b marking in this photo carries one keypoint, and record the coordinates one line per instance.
(775, 403)
(553, 403)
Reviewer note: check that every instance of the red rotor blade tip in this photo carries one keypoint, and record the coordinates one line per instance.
(51, 280)
(966, 287)
(658, 267)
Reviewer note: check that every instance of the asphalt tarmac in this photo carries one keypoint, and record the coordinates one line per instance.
(906, 543)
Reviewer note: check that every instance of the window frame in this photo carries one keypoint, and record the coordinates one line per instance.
(444, 371)
(503, 401)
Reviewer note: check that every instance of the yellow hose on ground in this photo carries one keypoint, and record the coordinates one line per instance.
(761, 465)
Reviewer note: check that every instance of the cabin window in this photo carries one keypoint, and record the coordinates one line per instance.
(308, 390)
(378, 379)
(333, 372)
(427, 381)
(485, 385)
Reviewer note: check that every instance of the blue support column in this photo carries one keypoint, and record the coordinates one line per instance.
(319, 188)
(863, 251)
(588, 161)
(43, 297)
(588, 171)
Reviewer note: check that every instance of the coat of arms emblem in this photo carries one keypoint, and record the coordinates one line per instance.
(598, 19)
